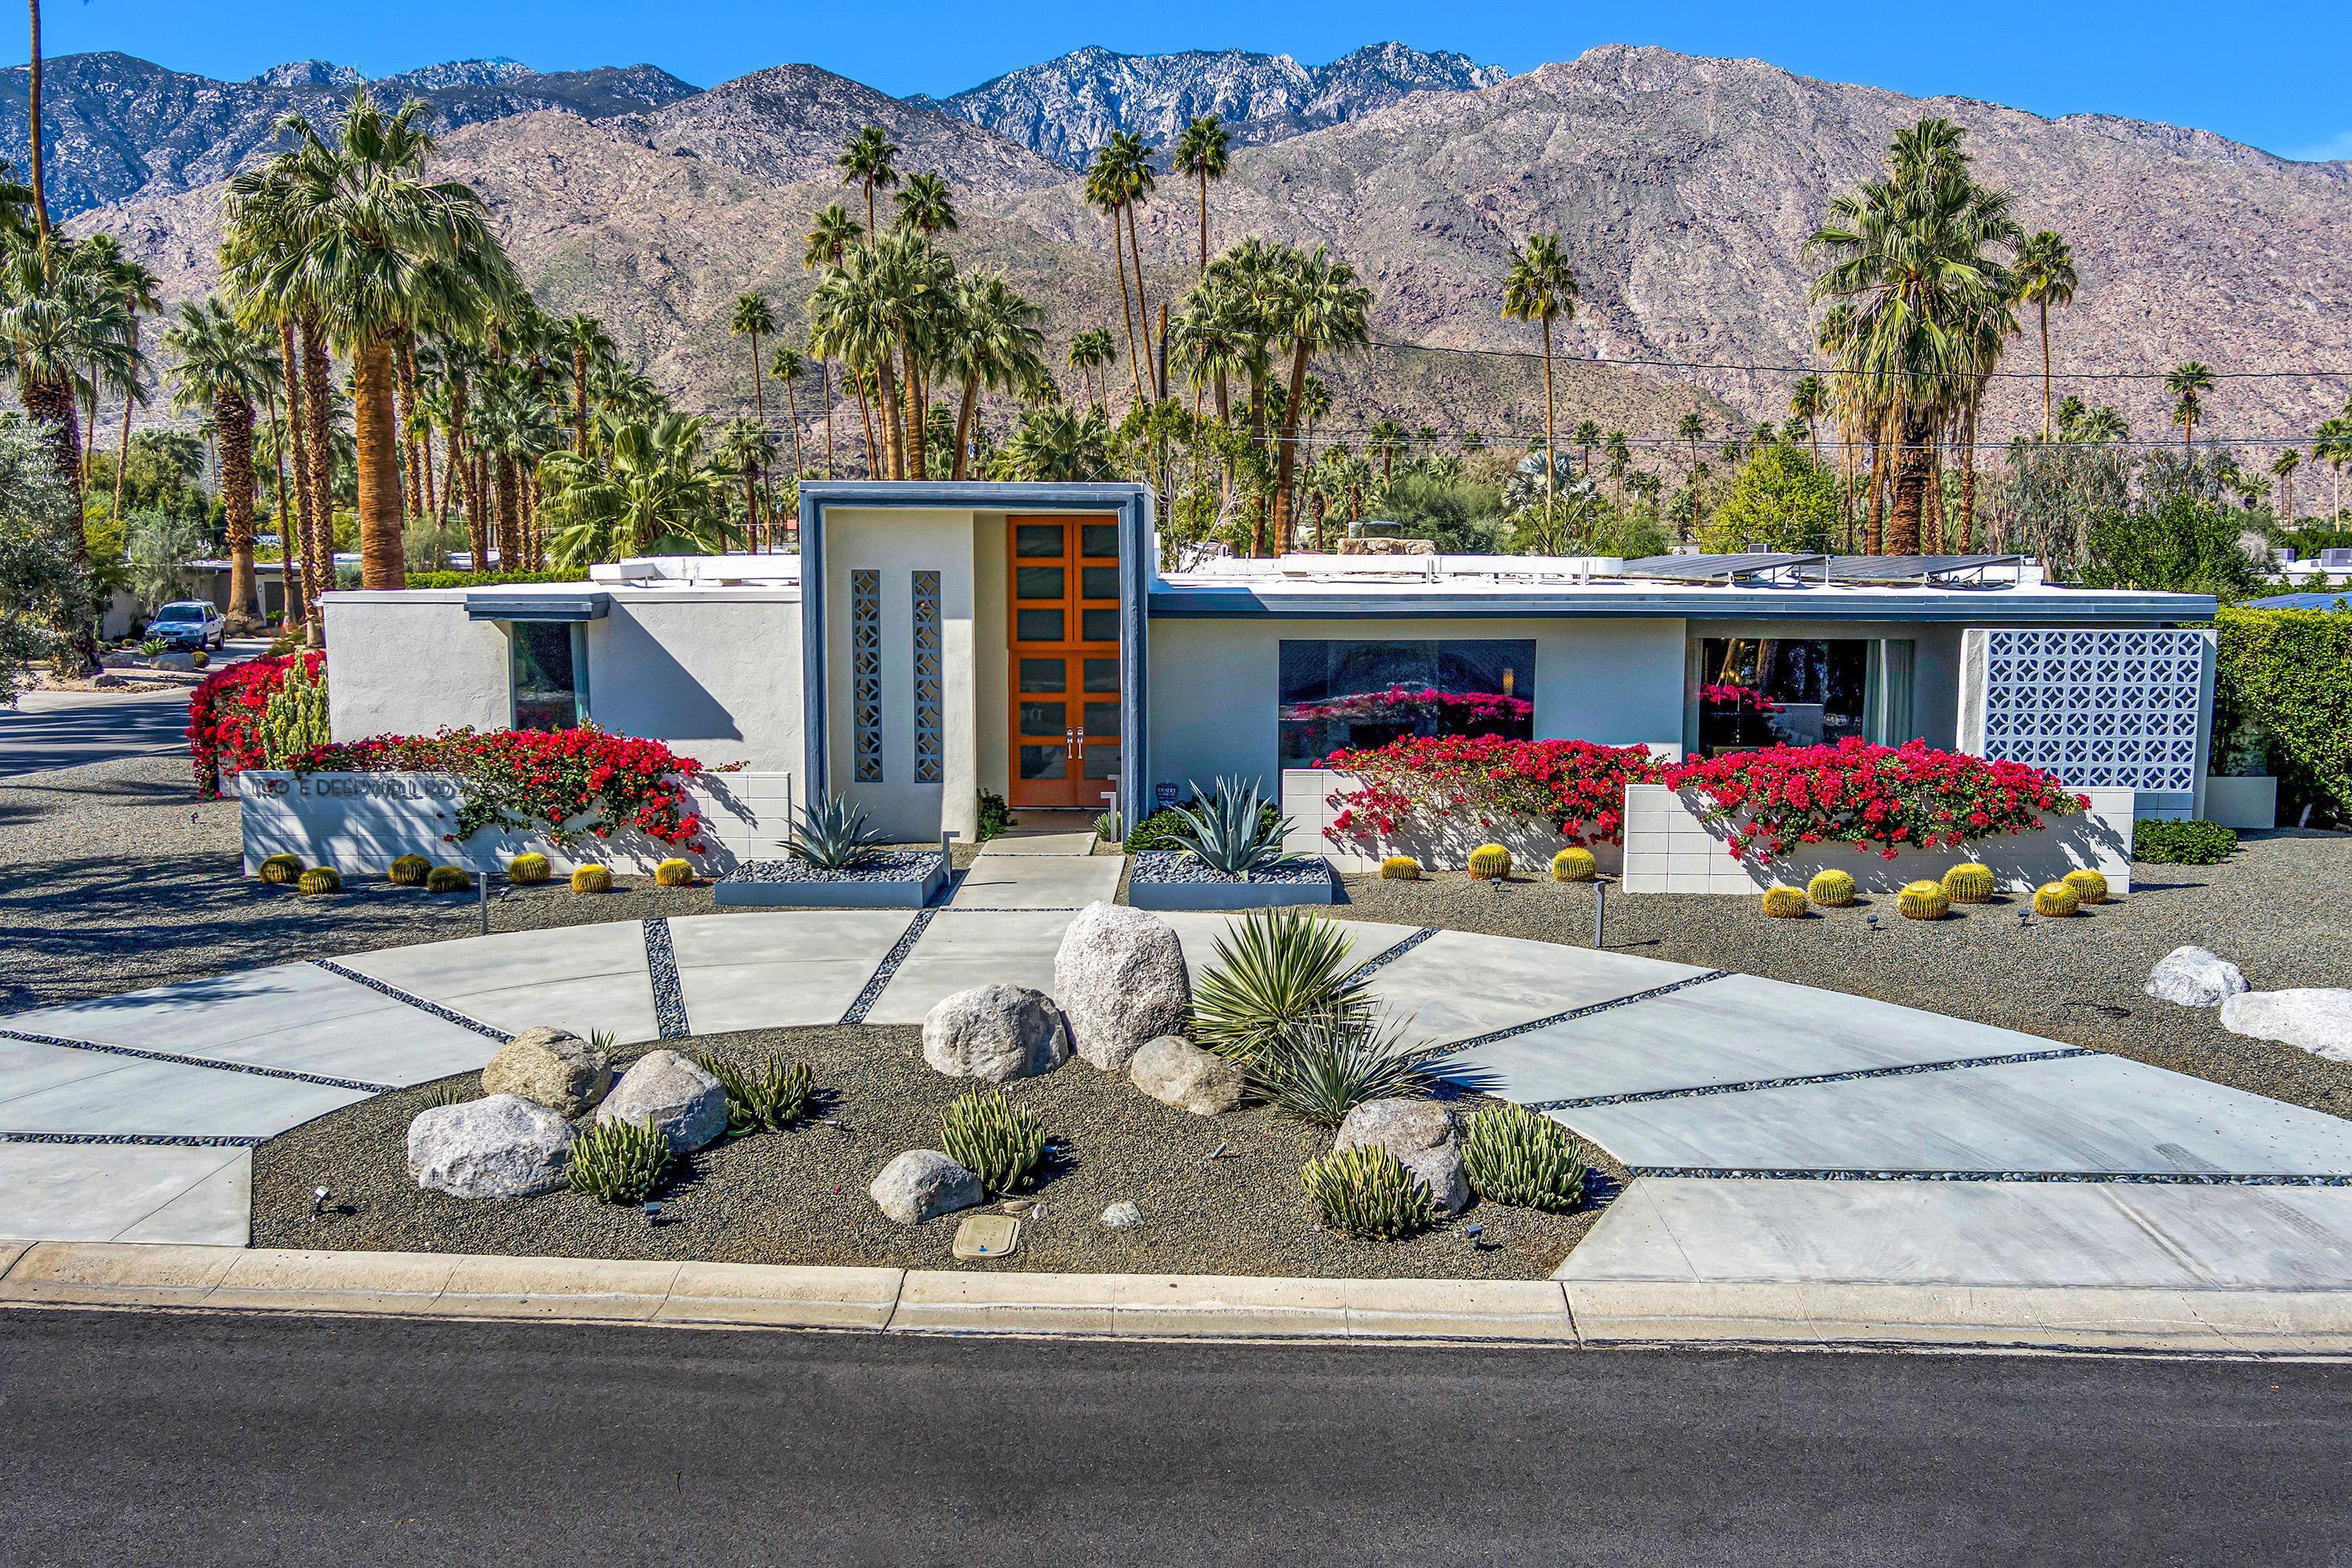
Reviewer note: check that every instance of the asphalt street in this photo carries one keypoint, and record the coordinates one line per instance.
(179, 1438)
(62, 729)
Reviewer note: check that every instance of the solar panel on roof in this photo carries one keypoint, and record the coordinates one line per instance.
(1912, 568)
(2340, 600)
(1718, 568)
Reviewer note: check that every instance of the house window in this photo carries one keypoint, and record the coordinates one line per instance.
(1339, 696)
(1782, 691)
(550, 675)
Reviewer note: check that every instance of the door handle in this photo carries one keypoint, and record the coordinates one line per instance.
(1069, 743)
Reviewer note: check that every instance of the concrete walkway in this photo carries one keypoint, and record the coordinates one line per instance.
(1038, 871)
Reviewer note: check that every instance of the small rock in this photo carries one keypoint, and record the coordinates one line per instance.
(996, 1033)
(1420, 1133)
(680, 1098)
(551, 1067)
(1177, 1072)
(2194, 977)
(503, 1146)
(173, 661)
(923, 1183)
(1119, 976)
(2317, 1019)
(1119, 1217)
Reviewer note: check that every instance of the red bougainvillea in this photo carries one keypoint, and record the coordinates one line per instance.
(224, 715)
(1575, 786)
(1884, 798)
(568, 785)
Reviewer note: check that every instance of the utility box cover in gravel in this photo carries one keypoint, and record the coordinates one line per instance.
(1119, 976)
(550, 1067)
(680, 1098)
(2194, 977)
(2317, 1018)
(503, 1146)
(923, 1183)
(1418, 1132)
(996, 1034)
(1177, 1072)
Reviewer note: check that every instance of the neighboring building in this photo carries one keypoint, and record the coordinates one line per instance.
(1020, 639)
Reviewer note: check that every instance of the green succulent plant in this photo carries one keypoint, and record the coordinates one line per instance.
(767, 1095)
(1320, 1067)
(1367, 1193)
(832, 834)
(621, 1162)
(1002, 1143)
(408, 871)
(1229, 831)
(448, 879)
(1514, 1156)
(279, 869)
(320, 879)
(1274, 967)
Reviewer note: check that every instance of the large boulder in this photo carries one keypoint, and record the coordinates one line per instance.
(1420, 1133)
(551, 1067)
(1177, 1072)
(923, 1183)
(503, 1146)
(996, 1033)
(2317, 1018)
(1119, 976)
(2194, 978)
(677, 1095)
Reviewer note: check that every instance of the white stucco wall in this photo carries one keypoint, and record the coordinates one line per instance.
(409, 664)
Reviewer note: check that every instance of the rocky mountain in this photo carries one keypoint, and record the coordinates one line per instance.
(1067, 108)
(119, 128)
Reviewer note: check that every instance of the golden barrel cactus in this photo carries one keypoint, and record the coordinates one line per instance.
(592, 879)
(2090, 887)
(1574, 865)
(1783, 902)
(1490, 862)
(1832, 889)
(280, 870)
(409, 871)
(674, 873)
(528, 869)
(448, 879)
(2056, 899)
(1401, 868)
(1924, 901)
(319, 879)
(1969, 883)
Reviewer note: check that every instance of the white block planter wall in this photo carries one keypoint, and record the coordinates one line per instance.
(1671, 849)
(361, 823)
(1306, 800)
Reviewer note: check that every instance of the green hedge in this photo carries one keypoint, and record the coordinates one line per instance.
(488, 579)
(2181, 843)
(2286, 675)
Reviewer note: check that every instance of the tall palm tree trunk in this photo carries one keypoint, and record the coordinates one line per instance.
(375, 421)
(1551, 457)
(580, 402)
(1142, 309)
(916, 436)
(317, 415)
(825, 394)
(792, 412)
(885, 400)
(233, 417)
(122, 457)
(416, 465)
(33, 108)
(294, 528)
(289, 580)
(1914, 467)
(1118, 264)
(511, 549)
(2045, 371)
(1286, 462)
(963, 423)
(1203, 173)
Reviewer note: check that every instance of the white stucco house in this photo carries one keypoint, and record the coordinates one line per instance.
(933, 641)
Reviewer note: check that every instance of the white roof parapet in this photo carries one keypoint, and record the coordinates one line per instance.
(702, 572)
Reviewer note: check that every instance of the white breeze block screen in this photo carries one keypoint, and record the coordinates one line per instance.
(2100, 707)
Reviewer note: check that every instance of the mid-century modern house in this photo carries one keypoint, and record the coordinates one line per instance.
(935, 641)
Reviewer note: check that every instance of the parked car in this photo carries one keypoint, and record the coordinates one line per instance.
(188, 624)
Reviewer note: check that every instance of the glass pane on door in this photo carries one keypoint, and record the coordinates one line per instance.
(1098, 539)
(1050, 674)
(1044, 762)
(1038, 583)
(1039, 539)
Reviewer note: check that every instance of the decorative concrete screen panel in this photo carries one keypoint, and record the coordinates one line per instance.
(2101, 708)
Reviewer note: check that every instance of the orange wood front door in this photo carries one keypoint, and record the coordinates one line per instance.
(1063, 619)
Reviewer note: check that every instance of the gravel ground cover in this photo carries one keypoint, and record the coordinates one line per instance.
(1173, 866)
(2275, 908)
(799, 1196)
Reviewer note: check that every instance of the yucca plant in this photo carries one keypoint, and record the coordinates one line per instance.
(1229, 829)
(1514, 1156)
(832, 834)
(1321, 1066)
(1002, 1143)
(452, 1091)
(767, 1094)
(621, 1162)
(1368, 1193)
(1274, 967)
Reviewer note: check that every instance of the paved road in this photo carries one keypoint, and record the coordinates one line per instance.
(64, 729)
(136, 1438)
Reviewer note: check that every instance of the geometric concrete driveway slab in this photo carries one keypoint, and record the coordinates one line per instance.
(1033, 882)
(121, 1192)
(778, 970)
(62, 1089)
(581, 978)
(2089, 1114)
(1198, 932)
(1456, 985)
(962, 948)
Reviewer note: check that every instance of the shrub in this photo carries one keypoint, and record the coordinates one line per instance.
(995, 816)
(1782, 500)
(1573, 787)
(1230, 831)
(228, 713)
(448, 879)
(409, 871)
(1490, 862)
(1271, 968)
(320, 879)
(1574, 864)
(1161, 830)
(674, 873)
(1002, 1143)
(769, 1094)
(2056, 899)
(279, 869)
(1924, 901)
(832, 834)
(199, 658)
(1401, 868)
(1832, 889)
(621, 1162)
(1367, 1193)
(1892, 799)
(528, 869)
(1321, 1066)
(2182, 843)
(2286, 675)
(1514, 1156)
(1785, 903)
(1107, 829)
(1969, 883)
(591, 878)
(485, 579)
(2089, 886)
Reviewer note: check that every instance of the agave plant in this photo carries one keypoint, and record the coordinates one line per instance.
(1274, 967)
(1229, 829)
(832, 834)
(1321, 1066)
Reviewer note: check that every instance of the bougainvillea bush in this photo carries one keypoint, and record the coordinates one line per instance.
(567, 784)
(1886, 798)
(225, 713)
(1576, 787)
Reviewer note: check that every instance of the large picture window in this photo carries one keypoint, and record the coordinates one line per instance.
(550, 675)
(1339, 696)
(1780, 692)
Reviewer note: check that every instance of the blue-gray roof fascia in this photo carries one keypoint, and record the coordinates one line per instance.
(559, 607)
(984, 495)
(1240, 601)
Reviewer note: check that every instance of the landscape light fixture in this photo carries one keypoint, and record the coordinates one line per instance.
(1870, 920)
(1471, 1232)
(653, 1212)
(2024, 919)
(319, 1196)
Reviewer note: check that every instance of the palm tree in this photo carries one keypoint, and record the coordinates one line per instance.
(1541, 286)
(755, 319)
(785, 365)
(1385, 437)
(1135, 180)
(1202, 152)
(224, 367)
(1106, 191)
(653, 494)
(992, 342)
(33, 108)
(583, 337)
(926, 206)
(2188, 383)
(1620, 453)
(1057, 445)
(745, 448)
(866, 162)
(2332, 445)
(136, 287)
(1089, 352)
(1315, 303)
(1693, 430)
(833, 233)
(2283, 467)
(1807, 402)
(2046, 276)
(1586, 435)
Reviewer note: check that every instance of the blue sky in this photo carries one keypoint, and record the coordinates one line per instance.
(2269, 74)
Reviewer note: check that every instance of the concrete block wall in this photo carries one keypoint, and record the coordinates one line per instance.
(1306, 800)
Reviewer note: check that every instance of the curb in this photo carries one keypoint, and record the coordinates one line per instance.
(1177, 1306)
